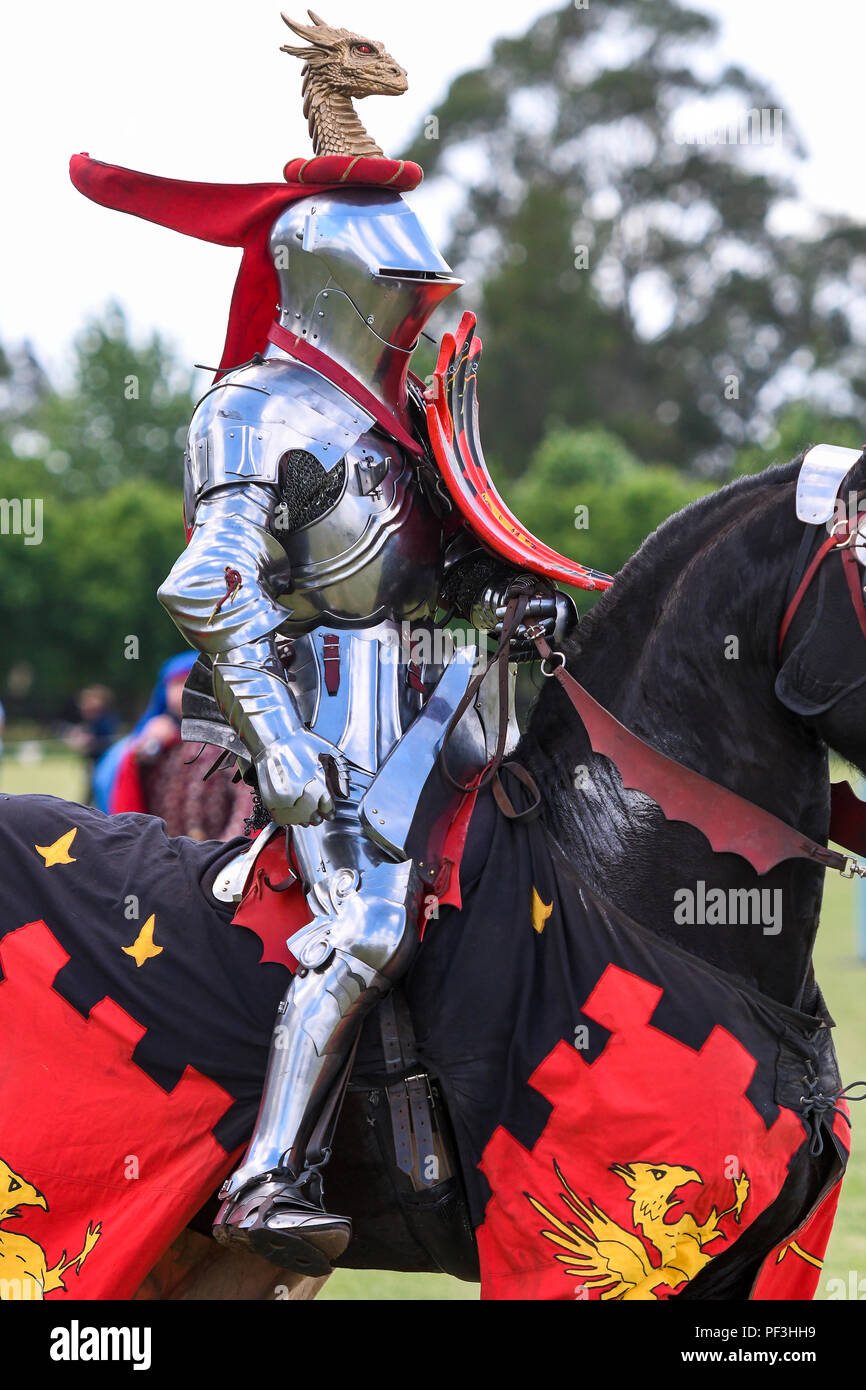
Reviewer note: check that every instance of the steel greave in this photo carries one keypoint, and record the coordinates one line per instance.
(347, 962)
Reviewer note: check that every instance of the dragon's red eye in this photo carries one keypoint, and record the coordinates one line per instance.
(363, 48)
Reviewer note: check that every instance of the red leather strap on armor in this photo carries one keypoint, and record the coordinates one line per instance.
(304, 352)
(331, 659)
(414, 678)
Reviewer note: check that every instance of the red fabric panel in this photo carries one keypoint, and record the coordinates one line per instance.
(273, 915)
(793, 1269)
(220, 212)
(127, 791)
(452, 854)
(132, 1185)
(233, 214)
(611, 1105)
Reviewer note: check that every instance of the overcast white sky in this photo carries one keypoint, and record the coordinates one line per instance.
(198, 89)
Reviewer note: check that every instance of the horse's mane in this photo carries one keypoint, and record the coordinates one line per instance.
(602, 651)
(667, 550)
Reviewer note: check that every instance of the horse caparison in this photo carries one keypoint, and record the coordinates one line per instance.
(683, 651)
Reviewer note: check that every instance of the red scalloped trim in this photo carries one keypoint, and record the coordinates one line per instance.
(399, 174)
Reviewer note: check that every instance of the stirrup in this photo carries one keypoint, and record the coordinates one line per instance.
(281, 1217)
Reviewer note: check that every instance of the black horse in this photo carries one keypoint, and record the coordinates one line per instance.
(683, 651)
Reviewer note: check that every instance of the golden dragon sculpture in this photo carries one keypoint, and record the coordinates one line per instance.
(340, 67)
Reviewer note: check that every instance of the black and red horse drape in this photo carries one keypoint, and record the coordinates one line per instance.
(627, 1118)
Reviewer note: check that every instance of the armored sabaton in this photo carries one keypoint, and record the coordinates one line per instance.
(315, 567)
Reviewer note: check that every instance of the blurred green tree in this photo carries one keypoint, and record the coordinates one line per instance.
(586, 494)
(796, 428)
(619, 228)
(123, 416)
(81, 606)
(103, 461)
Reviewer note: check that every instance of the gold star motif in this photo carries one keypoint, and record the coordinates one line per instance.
(58, 853)
(142, 948)
(540, 911)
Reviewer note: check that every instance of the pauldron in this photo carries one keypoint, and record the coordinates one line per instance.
(251, 419)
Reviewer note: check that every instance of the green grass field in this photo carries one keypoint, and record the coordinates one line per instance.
(842, 977)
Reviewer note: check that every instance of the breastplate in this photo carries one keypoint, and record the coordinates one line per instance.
(361, 690)
(374, 552)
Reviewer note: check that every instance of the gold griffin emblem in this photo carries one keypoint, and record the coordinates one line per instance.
(616, 1261)
(24, 1272)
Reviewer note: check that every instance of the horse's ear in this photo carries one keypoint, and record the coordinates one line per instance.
(825, 664)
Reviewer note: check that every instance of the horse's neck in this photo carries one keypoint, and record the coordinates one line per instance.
(698, 678)
(698, 685)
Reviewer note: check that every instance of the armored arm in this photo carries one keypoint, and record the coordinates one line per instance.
(221, 594)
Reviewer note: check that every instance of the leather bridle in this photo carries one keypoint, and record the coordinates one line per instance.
(842, 540)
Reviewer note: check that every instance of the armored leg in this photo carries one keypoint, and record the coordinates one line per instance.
(361, 940)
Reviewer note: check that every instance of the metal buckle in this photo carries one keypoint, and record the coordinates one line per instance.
(561, 662)
(853, 869)
(420, 1076)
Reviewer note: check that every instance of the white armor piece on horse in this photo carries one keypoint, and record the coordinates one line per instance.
(317, 543)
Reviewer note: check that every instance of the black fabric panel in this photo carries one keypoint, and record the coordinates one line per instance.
(205, 1000)
(490, 1001)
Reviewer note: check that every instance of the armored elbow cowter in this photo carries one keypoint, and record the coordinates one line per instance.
(219, 594)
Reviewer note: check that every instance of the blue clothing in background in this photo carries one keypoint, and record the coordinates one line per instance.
(106, 769)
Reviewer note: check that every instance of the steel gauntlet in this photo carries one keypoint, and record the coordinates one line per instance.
(546, 605)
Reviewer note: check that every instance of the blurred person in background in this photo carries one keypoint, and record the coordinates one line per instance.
(151, 770)
(97, 729)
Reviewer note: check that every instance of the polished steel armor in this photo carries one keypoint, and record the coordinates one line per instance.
(316, 562)
(359, 278)
(822, 473)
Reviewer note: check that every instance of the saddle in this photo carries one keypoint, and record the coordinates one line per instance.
(395, 1165)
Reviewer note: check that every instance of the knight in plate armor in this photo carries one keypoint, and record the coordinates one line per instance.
(329, 547)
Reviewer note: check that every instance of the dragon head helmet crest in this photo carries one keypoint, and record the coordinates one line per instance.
(339, 66)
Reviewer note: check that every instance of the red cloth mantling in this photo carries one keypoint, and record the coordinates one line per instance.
(235, 214)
